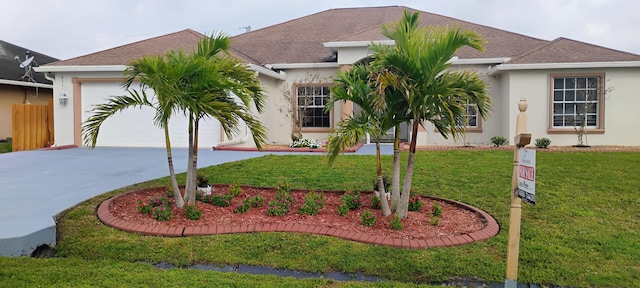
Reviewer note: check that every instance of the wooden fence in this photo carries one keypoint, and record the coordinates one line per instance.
(32, 126)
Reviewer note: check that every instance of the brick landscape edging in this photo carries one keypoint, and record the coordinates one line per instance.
(490, 229)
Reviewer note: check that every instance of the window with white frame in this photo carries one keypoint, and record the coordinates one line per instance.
(576, 101)
(470, 117)
(310, 101)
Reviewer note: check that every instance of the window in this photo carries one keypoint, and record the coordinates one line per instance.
(576, 101)
(470, 118)
(310, 104)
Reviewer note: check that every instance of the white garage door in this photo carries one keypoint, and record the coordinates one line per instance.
(134, 127)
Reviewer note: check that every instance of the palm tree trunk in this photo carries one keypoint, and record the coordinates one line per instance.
(395, 180)
(172, 174)
(403, 206)
(383, 197)
(190, 185)
(194, 160)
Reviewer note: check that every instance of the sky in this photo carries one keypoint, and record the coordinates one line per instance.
(66, 29)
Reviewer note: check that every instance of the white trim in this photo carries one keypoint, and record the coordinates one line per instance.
(342, 44)
(302, 65)
(575, 65)
(82, 68)
(273, 74)
(473, 61)
(25, 84)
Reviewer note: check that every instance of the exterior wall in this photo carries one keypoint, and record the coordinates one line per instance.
(277, 116)
(620, 106)
(350, 55)
(10, 95)
(492, 126)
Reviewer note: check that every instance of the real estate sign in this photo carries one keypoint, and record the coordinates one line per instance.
(527, 175)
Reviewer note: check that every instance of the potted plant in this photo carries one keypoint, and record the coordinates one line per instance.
(203, 185)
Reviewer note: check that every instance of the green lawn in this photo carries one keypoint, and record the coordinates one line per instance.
(584, 231)
(5, 147)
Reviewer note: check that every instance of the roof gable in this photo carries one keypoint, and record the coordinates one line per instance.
(563, 50)
(186, 40)
(10, 67)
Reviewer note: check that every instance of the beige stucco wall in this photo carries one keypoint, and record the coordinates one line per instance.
(620, 114)
(277, 115)
(10, 95)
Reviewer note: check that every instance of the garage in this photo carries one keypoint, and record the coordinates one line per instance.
(135, 128)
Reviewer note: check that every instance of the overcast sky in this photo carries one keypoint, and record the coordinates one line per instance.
(69, 28)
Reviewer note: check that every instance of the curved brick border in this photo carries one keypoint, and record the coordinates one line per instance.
(491, 229)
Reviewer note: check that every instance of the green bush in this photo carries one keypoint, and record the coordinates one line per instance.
(498, 141)
(352, 199)
(543, 143)
(242, 207)
(255, 201)
(235, 190)
(435, 221)
(281, 202)
(162, 213)
(436, 210)
(343, 209)
(375, 202)
(395, 223)
(144, 208)
(415, 204)
(368, 219)
(193, 212)
(221, 200)
(313, 202)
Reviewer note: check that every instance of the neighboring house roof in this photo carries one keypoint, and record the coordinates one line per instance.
(302, 40)
(563, 50)
(10, 67)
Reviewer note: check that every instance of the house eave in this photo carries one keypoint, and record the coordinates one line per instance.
(268, 72)
(81, 68)
(25, 84)
(576, 65)
(478, 61)
(302, 65)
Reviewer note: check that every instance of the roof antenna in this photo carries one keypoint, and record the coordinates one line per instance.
(246, 28)
(26, 65)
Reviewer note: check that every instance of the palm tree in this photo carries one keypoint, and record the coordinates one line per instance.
(199, 85)
(419, 62)
(359, 86)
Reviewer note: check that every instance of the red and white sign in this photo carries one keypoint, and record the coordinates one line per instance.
(527, 175)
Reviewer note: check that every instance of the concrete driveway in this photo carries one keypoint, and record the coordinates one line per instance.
(37, 185)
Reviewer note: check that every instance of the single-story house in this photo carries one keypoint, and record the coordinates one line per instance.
(19, 84)
(298, 59)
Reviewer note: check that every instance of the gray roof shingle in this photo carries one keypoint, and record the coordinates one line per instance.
(10, 67)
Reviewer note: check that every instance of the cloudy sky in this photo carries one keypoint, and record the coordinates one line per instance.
(69, 28)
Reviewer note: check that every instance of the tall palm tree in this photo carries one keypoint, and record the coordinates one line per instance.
(359, 86)
(199, 85)
(419, 60)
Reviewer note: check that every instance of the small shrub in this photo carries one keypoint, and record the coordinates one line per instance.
(498, 141)
(415, 204)
(235, 190)
(368, 219)
(306, 142)
(169, 192)
(543, 143)
(202, 181)
(436, 210)
(313, 202)
(395, 223)
(352, 199)
(200, 196)
(255, 201)
(158, 201)
(343, 209)
(375, 202)
(221, 200)
(193, 212)
(242, 207)
(162, 213)
(281, 202)
(144, 208)
(435, 221)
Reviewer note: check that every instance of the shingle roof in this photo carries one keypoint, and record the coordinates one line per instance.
(301, 41)
(563, 50)
(185, 40)
(10, 67)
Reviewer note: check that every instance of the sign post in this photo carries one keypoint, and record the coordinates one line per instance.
(522, 139)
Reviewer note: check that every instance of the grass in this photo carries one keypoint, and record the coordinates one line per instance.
(584, 230)
(5, 147)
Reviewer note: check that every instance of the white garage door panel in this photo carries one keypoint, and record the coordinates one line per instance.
(134, 126)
